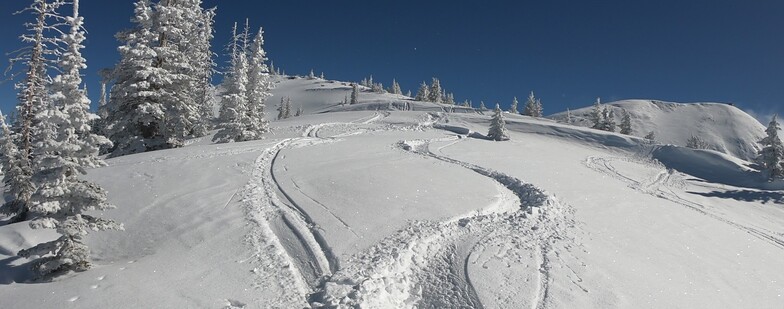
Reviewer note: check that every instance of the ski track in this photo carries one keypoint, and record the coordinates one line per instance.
(425, 265)
(660, 186)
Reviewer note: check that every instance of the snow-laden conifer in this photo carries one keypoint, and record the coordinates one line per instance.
(482, 106)
(259, 85)
(234, 107)
(203, 61)
(626, 123)
(423, 94)
(435, 94)
(513, 108)
(354, 94)
(772, 152)
(16, 176)
(395, 89)
(62, 199)
(498, 126)
(533, 107)
(596, 115)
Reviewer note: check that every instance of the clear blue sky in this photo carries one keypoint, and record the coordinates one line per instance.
(568, 52)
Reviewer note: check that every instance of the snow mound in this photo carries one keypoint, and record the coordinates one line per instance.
(724, 127)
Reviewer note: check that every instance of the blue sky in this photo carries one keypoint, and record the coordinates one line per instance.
(568, 52)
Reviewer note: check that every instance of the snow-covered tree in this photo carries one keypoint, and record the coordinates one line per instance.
(596, 115)
(378, 88)
(482, 106)
(259, 85)
(234, 107)
(772, 153)
(395, 89)
(311, 75)
(204, 67)
(36, 58)
(569, 119)
(696, 142)
(408, 93)
(287, 108)
(498, 126)
(300, 111)
(436, 92)
(533, 107)
(17, 176)
(423, 94)
(650, 137)
(67, 147)
(449, 98)
(608, 119)
(354, 94)
(626, 123)
(513, 107)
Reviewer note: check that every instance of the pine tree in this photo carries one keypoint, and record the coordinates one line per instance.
(395, 89)
(626, 123)
(596, 115)
(354, 94)
(696, 142)
(258, 87)
(530, 105)
(36, 58)
(204, 67)
(282, 109)
(772, 153)
(569, 119)
(67, 148)
(17, 174)
(608, 119)
(311, 75)
(408, 93)
(287, 108)
(498, 126)
(423, 94)
(436, 92)
(513, 108)
(538, 110)
(650, 137)
(234, 107)
(482, 106)
(450, 99)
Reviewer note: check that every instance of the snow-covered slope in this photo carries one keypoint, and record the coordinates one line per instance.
(724, 127)
(384, 208)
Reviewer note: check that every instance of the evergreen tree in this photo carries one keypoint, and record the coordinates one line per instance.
(408, 93)
(17, 174)
(36, 58)
(258, 87)
(513, 108)
(569, 119)
(450, 99)
(287, 108)
(596, 115)
(530, 106)
(538, 110)
(772, 153)
(354, 94)
(395, 89)
(204, 67)
(282, 109)
(498, 126)
(234, 107)
(650, 137)
(626, 123)
(608, 119)
(435, 93)
(696, 142)
(423, 94)
(482, 106)
(66, 149)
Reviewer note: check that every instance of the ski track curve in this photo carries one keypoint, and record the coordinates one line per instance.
(425, 265)
(660, 187)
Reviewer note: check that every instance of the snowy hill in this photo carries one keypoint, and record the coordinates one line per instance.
(724, 127)
(374, 207)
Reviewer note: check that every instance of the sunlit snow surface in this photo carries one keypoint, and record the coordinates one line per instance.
(362, 206)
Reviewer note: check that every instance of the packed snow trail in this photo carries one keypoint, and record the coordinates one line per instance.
(426, 264)
(661, 186)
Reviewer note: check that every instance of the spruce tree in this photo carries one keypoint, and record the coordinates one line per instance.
(435, 94)
(395, 89)
(772, 152)
(530, 106)
(423, 94)
(513, 107)
(498, 126)
(608, 119)
(234, 107)
(258, 87)
(354, 94)
(482, 106)
(67, 147)
(596, 115)
(17, 174)
(204, 66)
(36, 58)
(626, 123)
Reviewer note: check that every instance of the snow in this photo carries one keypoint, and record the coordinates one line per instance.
(375, 207)
(724, 127)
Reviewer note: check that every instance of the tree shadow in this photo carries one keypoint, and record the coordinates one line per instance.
(747, 196)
